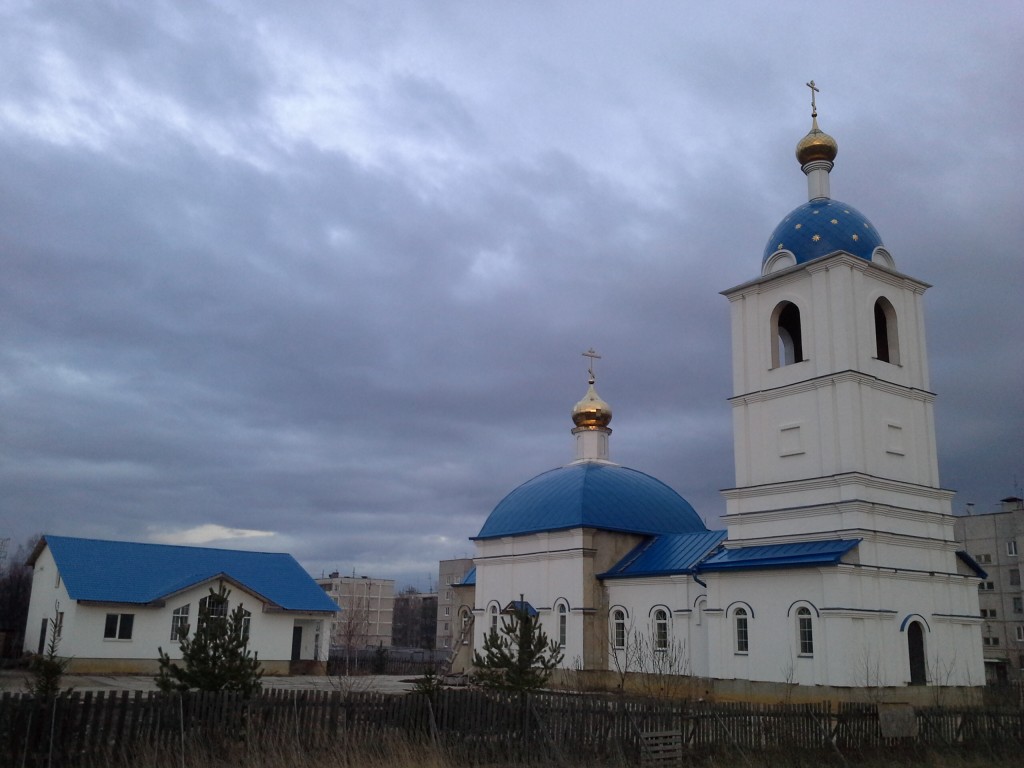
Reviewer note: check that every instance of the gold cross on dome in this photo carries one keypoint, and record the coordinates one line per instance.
(814, 90)
(593, 356)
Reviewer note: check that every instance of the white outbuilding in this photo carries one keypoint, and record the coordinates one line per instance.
(114, 603)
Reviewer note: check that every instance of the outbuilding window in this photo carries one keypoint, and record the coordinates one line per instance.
(246, 623)
(179, 622)
(215, 606)
(118, 626)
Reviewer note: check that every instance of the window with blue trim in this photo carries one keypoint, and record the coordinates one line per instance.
(742, 630)
(805, 632)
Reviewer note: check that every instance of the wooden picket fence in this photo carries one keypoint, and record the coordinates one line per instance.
(474, 726)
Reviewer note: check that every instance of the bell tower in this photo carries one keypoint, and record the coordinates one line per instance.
(832, 414)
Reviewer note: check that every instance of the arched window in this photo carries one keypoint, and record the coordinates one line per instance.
(562, 623)
(915, 651)
(887, 347)
(660, 630)
(619, 628)
(804, 632)
(742, 636)
(494, 618)
(787, 339)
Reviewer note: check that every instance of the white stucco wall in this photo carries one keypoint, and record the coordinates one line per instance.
(858, 617)
(543, 568)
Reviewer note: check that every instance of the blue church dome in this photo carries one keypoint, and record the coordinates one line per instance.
(821, 227)
(592, 494)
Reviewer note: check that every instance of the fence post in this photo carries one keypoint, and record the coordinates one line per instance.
(181, 726)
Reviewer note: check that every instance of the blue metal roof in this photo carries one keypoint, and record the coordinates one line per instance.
(520, 606)
(128, 572)
(971, 563)
(469, 578)
(795, 555)
(592, 495)
(821, 227)
(670, 553)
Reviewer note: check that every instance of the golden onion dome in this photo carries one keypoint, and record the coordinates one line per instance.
(591, 412)
(816, 145)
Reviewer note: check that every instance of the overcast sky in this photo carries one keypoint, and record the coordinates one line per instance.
(315, 277)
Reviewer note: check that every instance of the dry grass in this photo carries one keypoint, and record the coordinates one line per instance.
(391, 754)
(401, 753)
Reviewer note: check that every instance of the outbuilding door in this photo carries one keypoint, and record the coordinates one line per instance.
(296, 643)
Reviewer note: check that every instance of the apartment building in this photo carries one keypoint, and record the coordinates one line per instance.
(367, 609)
(449, 574)
(996, 540)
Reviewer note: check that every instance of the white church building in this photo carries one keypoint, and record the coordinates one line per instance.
(838, 567)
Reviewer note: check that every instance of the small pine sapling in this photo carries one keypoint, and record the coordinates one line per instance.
(217, 656)
(48, 668)
(519, 657)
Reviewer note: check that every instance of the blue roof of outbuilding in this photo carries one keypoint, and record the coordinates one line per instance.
(129, 572)
(592, 494)
(821, 227)
(794, 555)
(671, 553)
(469, 578)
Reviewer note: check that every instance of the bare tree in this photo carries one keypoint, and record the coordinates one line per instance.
(658, 663)
(414, 619)
(626, 651)
(868, 673)
(405, 619)
(352, 630)
(15, 592)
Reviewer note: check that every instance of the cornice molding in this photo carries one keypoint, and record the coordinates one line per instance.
(831, 261)
(837, 481)
(830, 380)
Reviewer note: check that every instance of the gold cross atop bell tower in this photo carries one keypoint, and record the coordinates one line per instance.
(590, 368)
(814, 90)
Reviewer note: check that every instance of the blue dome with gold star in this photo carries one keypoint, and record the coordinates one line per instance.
(821, 227)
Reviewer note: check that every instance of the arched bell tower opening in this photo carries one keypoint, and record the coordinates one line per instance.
(887, 347)
(787, 339)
